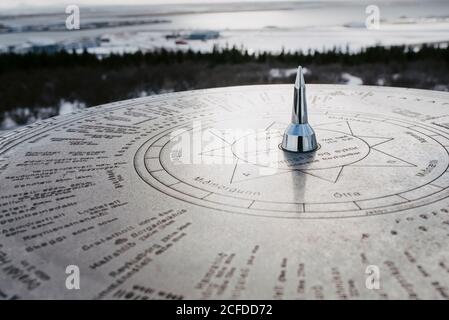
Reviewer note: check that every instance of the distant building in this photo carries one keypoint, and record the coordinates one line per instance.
(173, 35)
(36, 45)
(203, 35)
(3, 28)
(43, 46)
(81, 44)
(105, 38)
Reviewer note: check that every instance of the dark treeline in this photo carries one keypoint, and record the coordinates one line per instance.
(378, 54)
(32, 86)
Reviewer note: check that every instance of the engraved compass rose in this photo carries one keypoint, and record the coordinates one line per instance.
(340, 148)
(362, 165)
(338, 145)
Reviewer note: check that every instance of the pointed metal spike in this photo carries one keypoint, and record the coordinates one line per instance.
(299, 78)
(299, 114)
(299, 135)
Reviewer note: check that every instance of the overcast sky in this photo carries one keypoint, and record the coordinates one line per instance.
(17, 4)
(14, 4)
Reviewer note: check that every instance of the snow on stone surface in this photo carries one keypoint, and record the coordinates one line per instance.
(351, 80)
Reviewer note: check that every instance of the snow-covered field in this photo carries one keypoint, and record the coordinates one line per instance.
(267, 26)
(275, 40)
(352, 80)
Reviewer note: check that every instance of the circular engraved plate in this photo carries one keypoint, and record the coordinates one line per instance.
(188, 195)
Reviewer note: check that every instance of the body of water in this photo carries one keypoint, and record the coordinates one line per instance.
(256, 26)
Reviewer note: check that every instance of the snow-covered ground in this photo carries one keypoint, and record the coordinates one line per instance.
(279, 73)
(351, 80)
(66, 107)
(275, 40)
(266, 26)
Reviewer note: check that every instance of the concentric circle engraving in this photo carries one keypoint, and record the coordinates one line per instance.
(336, 149)
(364, 167)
